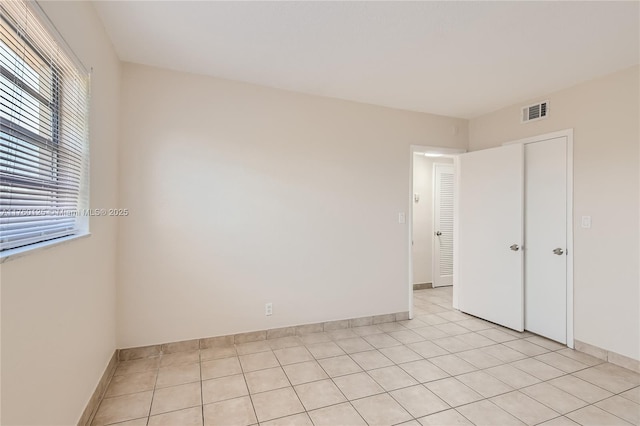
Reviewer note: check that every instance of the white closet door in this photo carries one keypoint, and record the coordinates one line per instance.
(443, 225)
(546, 238)
(490, 235)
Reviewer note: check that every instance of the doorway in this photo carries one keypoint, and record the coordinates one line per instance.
(431, 218)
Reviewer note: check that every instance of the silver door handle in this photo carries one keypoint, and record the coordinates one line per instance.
(514, 247)
(438, 233)
(558, 251)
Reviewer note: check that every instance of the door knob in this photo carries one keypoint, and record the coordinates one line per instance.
(438, 233)
(558, 251)
(514, 247)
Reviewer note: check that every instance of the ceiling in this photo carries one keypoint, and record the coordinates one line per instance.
(460, 59)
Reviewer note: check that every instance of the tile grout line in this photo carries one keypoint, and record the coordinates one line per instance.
(201, 384)
(617, 394)
(335, 384)
(482, 370)
(419, 383)
(399, 364)
(551, 384)
(293, 387)
(609, 397)
(450, 376)
(153, 392)
(422, 384)
(253, 406)
(378, 383)
(453, 376)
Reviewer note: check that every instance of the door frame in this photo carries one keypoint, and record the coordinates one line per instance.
(412, 150)
(568, 133)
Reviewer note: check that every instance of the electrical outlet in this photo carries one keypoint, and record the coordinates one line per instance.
(268, 309)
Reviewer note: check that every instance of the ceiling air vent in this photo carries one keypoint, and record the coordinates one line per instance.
(535, 112)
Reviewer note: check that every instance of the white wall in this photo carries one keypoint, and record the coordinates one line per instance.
(242, 195)
(604, 114)
(423, 217)
(58, 305)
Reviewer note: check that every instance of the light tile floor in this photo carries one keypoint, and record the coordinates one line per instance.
(441, 368)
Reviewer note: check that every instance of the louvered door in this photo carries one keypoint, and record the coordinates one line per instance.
(443, 225)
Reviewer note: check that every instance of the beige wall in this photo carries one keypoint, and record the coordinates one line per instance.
(422, 249)
(58, 305)
(242, 195)
(604, 114)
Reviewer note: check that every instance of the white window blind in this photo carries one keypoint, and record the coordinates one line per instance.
(44, 150)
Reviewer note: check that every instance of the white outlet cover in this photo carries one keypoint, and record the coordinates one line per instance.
(586, 221)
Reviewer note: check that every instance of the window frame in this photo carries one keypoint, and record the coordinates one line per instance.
(50, 117)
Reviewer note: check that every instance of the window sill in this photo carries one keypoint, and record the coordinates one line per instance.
(16, 253)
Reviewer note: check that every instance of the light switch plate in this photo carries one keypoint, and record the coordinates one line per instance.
(402, 218)
(586, 221)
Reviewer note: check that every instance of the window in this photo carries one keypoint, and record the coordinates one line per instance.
(43, 131)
